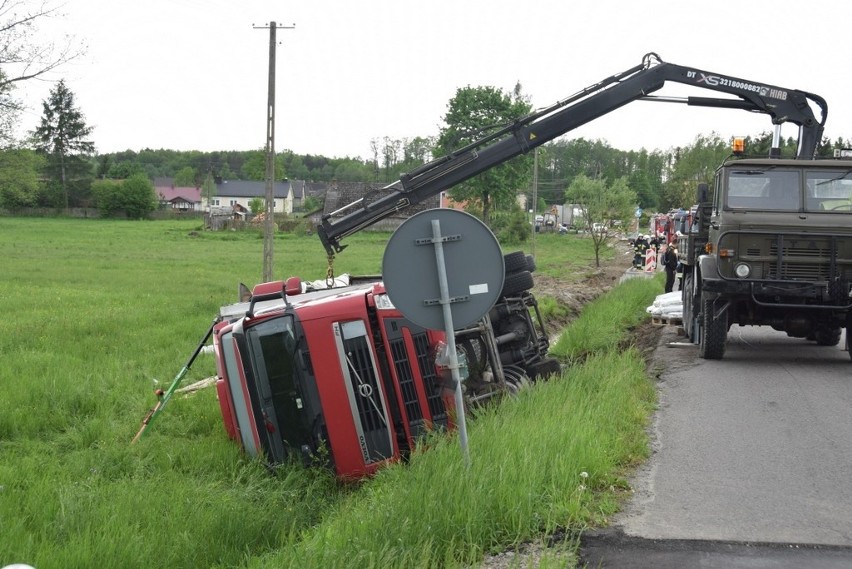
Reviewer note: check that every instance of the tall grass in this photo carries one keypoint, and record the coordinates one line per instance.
(94, 311)
(607, 320)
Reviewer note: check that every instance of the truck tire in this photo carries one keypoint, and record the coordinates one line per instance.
(848, 332)
(531, 263)
(514, 262)
(517, 282)
(714, 333)
(827, 336)
(689, 304)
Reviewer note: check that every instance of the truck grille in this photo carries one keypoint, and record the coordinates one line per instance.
(800, 261)
(403, 364)
(794, 257)
(366, 395)
(430, 380)
(406, 385)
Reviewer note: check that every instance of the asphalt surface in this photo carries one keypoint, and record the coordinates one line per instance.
(751, 460)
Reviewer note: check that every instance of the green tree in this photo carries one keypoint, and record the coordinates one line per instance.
(19, 186)
(134, 196)
(140, 198)
(350, 170)
(62, 136)
(208, 189)
(601, 205)
(124, 169)
(311, 203)
(472, 111)
(106, 195)
(256, 205)
(185, 177)
(691, 166)
(254, 167)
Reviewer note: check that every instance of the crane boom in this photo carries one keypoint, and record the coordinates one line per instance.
(639, 82)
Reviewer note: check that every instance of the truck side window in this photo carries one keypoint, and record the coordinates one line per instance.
(829, 191)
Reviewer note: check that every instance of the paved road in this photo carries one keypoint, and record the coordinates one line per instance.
(751, 451)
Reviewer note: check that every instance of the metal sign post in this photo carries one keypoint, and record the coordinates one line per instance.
(468, 281)
(438, 242)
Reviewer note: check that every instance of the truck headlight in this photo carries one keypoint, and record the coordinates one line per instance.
(742, 270)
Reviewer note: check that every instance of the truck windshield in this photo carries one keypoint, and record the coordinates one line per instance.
(829, 191)
(272, 346)
(770, 190)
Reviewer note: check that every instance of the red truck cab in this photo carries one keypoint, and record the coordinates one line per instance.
(336, 375)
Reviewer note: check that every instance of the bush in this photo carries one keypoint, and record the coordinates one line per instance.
(511, 227)
(135, 196)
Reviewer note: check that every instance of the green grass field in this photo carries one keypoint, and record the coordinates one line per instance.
(95, 311)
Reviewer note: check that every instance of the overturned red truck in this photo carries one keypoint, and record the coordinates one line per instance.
(339, 376)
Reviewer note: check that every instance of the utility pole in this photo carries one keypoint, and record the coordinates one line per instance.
(269, 220)
(534, 195)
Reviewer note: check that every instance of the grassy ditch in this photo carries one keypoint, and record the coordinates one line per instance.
(94, 310)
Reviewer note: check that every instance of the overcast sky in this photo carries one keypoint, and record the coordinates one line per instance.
(193, 74)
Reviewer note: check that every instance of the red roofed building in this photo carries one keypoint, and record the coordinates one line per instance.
(182, 199)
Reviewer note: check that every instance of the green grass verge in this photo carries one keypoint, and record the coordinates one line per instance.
(93, 310)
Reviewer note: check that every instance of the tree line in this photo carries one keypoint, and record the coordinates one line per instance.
(58, 166)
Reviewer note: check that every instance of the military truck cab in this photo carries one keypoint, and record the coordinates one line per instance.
(770, 245)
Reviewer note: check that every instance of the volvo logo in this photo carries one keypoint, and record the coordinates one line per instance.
(365, 390)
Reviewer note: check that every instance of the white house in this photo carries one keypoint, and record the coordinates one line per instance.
(240, 192)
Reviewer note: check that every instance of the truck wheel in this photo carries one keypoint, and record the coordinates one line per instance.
(848, 331)
(517, 282)
(531, 263)
(714, 333)
(514, 262)
(688, 298)
(827, 336)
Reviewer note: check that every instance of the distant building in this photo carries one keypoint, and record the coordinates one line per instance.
(287, 195)
(179, 198)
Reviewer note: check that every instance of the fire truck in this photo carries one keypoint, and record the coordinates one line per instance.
(663, 227)
(339, 376)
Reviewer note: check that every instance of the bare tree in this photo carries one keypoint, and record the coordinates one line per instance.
(24, 55)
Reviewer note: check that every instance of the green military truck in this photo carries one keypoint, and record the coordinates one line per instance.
(770, 244)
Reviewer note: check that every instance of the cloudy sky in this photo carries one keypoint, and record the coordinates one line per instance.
(192, 74)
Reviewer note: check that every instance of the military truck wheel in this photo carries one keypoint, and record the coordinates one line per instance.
(714, 333)
(688, 297)
(827, 336)
(848, 332)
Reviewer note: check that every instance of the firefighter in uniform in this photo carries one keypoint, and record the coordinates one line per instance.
(640, 247)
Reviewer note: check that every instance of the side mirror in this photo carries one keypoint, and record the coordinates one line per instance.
(701, 194)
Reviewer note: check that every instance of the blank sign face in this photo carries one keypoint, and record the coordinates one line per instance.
(473, 262)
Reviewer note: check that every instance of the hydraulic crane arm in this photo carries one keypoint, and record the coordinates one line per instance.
(781, 104)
